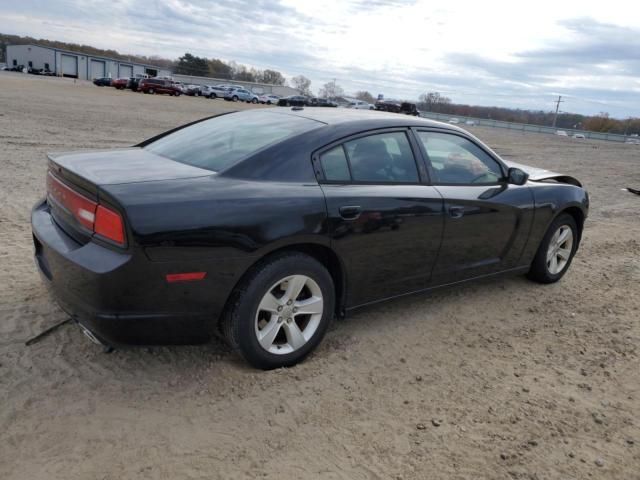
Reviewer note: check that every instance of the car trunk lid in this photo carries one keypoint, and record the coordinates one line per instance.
(127, 165)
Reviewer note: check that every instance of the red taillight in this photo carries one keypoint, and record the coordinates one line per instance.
(94, 217)
(109, 225)
(185, 277)
(82, 209)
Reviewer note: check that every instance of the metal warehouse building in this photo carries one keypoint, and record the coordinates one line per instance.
(66, 63)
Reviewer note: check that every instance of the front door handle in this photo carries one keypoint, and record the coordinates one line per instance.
(456, 211)
(350, 212)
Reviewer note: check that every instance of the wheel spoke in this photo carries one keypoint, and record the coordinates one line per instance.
(294, 335)
(294, 287)
(564, 235)
(269, 303)
(564, 253)
(309, 306)
(269, 332)
(553, 268)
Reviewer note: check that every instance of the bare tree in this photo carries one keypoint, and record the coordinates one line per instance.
(331, 90)
(365, 96)
(302, 84)
(432, 101)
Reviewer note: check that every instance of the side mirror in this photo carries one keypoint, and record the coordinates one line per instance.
(516, 176)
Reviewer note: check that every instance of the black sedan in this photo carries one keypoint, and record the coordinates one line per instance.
(266, 224)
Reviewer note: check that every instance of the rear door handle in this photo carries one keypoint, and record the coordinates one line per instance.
(456, 211)
(350, 212)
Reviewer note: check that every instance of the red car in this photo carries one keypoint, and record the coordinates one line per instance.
(120, 83)
(157, 85)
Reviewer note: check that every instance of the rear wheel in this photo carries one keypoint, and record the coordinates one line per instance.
(234, 98)
(556, 250)
(281, 312)
(254, 100)
(152, 91)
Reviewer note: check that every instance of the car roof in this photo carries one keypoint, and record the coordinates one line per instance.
(336, 116)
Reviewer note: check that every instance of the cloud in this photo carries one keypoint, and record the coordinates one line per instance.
(509, 55)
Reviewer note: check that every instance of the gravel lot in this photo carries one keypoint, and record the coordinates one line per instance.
(498, 379)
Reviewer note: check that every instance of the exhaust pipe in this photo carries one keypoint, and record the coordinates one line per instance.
(89, 334)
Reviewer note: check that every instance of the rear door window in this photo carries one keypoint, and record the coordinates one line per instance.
(382, 158)
(335, 166)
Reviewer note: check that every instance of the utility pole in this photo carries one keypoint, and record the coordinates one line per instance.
(555, 116)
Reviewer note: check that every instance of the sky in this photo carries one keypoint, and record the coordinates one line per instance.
(483, 52)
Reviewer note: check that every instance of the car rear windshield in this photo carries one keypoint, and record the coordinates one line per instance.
(219, 142)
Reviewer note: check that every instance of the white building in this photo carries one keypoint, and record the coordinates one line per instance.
(66, 63)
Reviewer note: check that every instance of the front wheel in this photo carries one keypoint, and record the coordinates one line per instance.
(281, 312)
(151, 91)
(235, 98)
(254, 100)
(556, 250)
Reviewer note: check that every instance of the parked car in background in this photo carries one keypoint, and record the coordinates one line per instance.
(269, 99)
(579, 136)
(219, 226)
(241, 94)
(134, 83)
(471, 123)
(156, 85)
(102, 82)
(321, 102)
(120, 83)
(192, 90)
(40, 71)
(561, 133)
(454, 121)
(178, 86)
(360, 105)
(294, 101)
(397, 107)
(211, 91)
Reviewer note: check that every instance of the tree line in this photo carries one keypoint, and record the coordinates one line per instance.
(602, 122)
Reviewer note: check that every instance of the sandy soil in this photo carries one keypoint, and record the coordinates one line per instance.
(499, 379)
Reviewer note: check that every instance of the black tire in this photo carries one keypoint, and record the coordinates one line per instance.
(254, 100)
(238, 322)
(234, 98)
(539, 271)
(152, 91)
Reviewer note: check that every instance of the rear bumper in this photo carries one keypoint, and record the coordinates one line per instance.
(121, 297)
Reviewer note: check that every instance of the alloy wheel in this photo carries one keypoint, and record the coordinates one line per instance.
(560, 248)
(289, 314)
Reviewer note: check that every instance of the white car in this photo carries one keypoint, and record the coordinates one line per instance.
(454, 121)
(561, 133)
(471, 123)
(579, 136)
(269, 99)
(360, 105)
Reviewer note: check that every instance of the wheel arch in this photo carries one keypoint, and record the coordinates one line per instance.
(578, 215)
(320, 252)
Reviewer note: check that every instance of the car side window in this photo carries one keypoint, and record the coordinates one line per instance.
(458, 161)
(382, 158)
(334, 164)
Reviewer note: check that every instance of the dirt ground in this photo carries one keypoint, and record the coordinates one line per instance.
(498, 379)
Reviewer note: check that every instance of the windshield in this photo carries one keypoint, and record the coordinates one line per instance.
(221, 141)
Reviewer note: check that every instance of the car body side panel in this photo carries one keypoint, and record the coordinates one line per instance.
(390, 247)
(219, 217)
(550, 200)
(490, 233)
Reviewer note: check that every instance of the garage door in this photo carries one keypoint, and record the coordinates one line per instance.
(97, 69)
(126, 71)
(69, 66)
